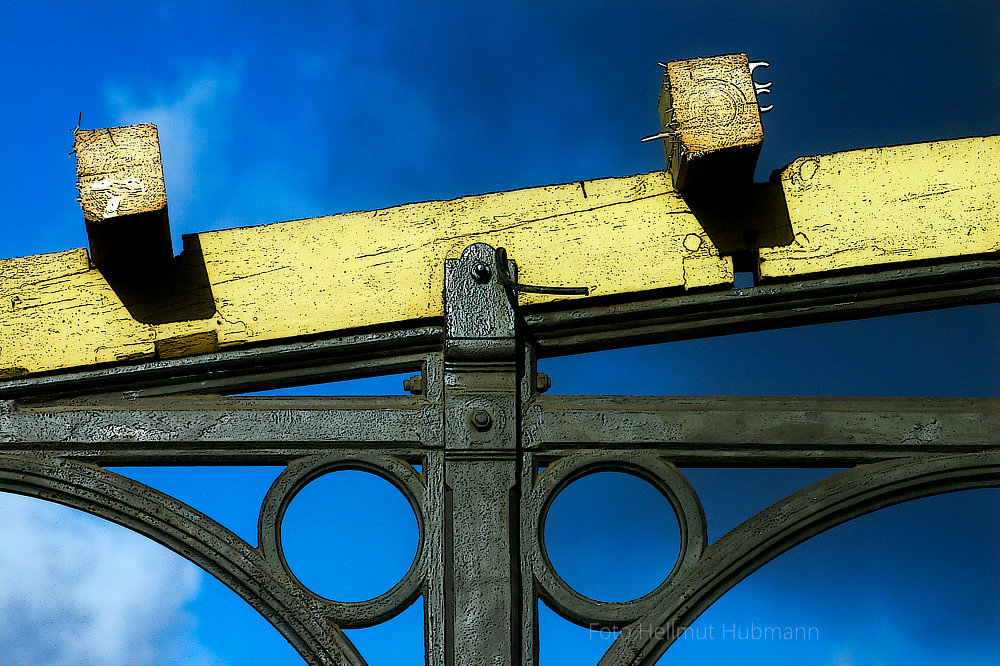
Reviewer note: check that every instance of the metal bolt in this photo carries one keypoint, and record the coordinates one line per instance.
(481, 420)
(481, 273)
(542, 382)
(414, 384)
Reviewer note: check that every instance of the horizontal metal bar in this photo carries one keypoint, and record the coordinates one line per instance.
(821, 300)
(765, 431)
(584, 326)
(233, 454)
(689, 431)
(188, 426)
(255, 369)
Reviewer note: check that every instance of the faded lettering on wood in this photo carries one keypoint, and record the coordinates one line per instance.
(123, 197)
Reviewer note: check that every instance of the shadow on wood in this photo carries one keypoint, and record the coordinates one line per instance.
(742, 219)
(179, 291)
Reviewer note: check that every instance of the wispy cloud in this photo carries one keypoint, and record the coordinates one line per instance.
(306, 130)
(194, 116)
(75, 590)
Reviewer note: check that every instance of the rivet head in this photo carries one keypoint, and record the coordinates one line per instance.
(542, 382)
(481, 273)
(481, 420)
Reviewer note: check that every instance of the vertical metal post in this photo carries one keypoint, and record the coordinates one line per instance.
(482, 356)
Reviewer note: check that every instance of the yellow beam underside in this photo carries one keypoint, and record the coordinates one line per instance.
(280, 281)
(881, 206)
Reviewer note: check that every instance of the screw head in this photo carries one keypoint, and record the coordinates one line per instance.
(481, 273)
(481, 420)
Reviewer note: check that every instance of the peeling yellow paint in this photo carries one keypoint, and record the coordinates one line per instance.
(617, 236)
(386, 266)
(281, 281)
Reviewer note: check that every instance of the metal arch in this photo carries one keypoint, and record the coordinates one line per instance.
(481, 429)
(786, 524)
(190, 534)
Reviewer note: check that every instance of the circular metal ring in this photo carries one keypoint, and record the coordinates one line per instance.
(660, 474)
(346, 614)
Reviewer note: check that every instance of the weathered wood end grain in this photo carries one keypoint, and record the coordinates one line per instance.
(123, 197)
(621, 237)
(709, 114)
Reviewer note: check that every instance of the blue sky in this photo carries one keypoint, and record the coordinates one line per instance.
(274, 111)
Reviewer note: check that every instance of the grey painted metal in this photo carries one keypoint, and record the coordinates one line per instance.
(730, 431)
(482, 583)
(296, 476)
(810, 301)
(735, 431)
(249, 421)
(493, 453)
(784, 525)
(647, 465)
(280, 599)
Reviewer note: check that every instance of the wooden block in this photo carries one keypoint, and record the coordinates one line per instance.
(880, 206)
(711, 122)
(124, 201)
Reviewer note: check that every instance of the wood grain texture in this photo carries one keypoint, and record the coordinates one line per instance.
(709, 111)
(890, 205)
(617, 236)
(321, 275)
(119, 171)
(57, 312)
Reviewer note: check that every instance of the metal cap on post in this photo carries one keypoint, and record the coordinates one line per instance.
(481, 464)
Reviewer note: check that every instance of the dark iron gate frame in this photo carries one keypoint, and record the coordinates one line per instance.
(493, 452)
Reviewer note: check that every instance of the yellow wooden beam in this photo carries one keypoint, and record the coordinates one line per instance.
(620, 237)
(616, 236)
(882, 206)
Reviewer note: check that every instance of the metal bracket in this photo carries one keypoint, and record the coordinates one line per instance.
(482, 434)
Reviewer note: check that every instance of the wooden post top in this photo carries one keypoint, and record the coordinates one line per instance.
(710, 121)
(123, 197)
(624, 238)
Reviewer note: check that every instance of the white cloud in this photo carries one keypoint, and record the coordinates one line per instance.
(194, 118)
(78, 590)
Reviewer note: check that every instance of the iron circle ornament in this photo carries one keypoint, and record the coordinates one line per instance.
(663, 476)
(300, 473)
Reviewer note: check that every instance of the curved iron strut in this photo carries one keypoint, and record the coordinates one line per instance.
(481, 433)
